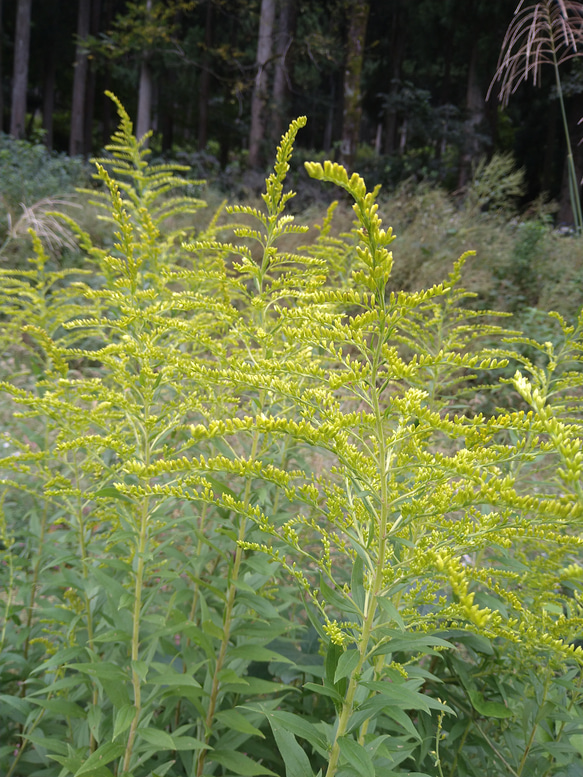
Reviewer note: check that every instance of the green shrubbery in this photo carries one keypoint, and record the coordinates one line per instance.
(252, 519)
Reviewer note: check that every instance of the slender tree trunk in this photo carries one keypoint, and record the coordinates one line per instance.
(49, 96)
(398, 39)
(260, 89)
(358, 11)
(95, 28)
(145, 91)
(205, 78)
(77, 136)
(1, 90)
(329, 126)
(20, 73)
(281, 78)
(106, 109)
(476, 110)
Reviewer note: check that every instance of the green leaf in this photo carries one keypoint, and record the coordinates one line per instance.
(172, 679)
(212, 629)
(231, 677)
(324, 690)
(123, 719)
(297, 763)
(48, 743)
(577, 742)
(113, 493)
(157, 737)
(342, 603)
(61, 707)
(234, 720)
(410, 643)
(346, 664)
(141, 669)
(257, 653)
(189, 743)
(401, 695)
(489, 709)
(102, 756)
(333, 653)
(239, 764)
(296, 725)
(387, 605)
(356, 756)
(315, 620)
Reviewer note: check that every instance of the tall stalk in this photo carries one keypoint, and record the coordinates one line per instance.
(548, 32)
(227, 619)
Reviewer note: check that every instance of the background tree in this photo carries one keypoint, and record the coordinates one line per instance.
(1, 80)
(260, 86)
(418, 100)
(284, 38)
(20, 70)
(358, 11)
(78, 106)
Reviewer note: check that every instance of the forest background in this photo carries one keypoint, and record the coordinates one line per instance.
(403, 80)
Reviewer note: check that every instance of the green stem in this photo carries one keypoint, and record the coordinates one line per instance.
(227, 621)
(371, 602)
(87, 603)
(534, 730)
(135, 650)
(460, 748)
(138, 586)
(573, 183)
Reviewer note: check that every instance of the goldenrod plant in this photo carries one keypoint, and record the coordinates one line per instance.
(252, 520)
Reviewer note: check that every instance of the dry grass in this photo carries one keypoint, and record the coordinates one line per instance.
(548, 32)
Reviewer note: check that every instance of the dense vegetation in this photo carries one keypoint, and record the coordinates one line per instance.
(269, 506)
(408, 83)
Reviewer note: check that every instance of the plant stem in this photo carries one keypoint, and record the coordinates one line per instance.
(573, 183)
(534, 729)
(227, 621)
(139, 582)
(371, 601)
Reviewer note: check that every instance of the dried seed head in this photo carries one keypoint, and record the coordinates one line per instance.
(548, 32)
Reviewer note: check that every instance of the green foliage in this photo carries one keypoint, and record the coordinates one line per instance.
(496, 185)
(33, 182)
(28, 172)
(250, 522)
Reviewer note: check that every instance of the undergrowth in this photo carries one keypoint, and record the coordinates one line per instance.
(251, 520)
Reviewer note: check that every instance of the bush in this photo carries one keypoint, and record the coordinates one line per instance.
(251, 523)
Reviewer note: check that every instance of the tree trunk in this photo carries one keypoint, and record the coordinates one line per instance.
(20, 73)
(281, 78)
(144, 120)
(1, 91)
(329, 126)
(106, 104)
(49, 96)
(95, 29)
(476, 110)
(398, 39)
(358, 11)
(260, 89)
(77, 136)
(145, 91)
(205, 79)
